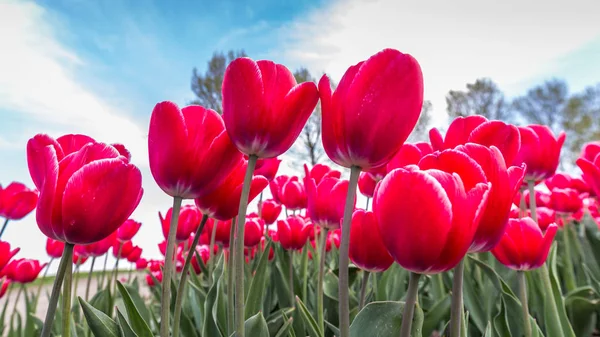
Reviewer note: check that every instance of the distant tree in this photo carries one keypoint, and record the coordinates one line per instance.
(544, 104)
(421, 131)
(207, 86)
(581, 119)
(481, 98)
(308, 147)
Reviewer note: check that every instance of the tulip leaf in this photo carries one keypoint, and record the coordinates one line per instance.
(256, 293)
(124, 327)
(102, 301)
(285, 328)
(139, 302)
(557, 295)
(378, 319)
(439, 312)
(309, 321)
(100, 324)
(256, 326)
(488, 330)
(219, 309)
(135, 319)
(582, 305)
(210, 327)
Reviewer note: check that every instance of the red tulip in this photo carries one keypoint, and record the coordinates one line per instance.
(85, 195)
(80, 255)
(523, 246)
(270, 211)
(505, 183)
(258, 99)
(293, 194)
(590, 150)
(367, 250)
(124, 248)
(128, 230)
(141, 264)
(373, 109)
(54, 248)
(24, 270)
(224, 201)
(320, 171)
(204, 253)
(155, 265)
(366, 184)
(545, 216)
(292, 233)
(253, 231)
(222, 232)
(409, 154)
(6, 254)
(540, 151)
(189, 220)
(542, 199)
(591, 172)
(431, 231)
(477, 129)
(135, 254)
(325, 200)
(563, 180)
(101, 247)
(267, 168)
(190, 151)
(154, 275)
(4, 287)
(565, 200)
(16, 201)
(335, 237)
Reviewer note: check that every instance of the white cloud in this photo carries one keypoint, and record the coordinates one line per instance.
(454, 41)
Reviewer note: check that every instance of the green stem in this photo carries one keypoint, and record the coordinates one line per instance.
(532, 206)
(569, 271)
(230, 283)
(60, 274)
(438, 288)
(4, 227)
(19, 292)
(367, 205)
(522, 203)
(116, 271)
(89, 279)
(130, 272)
(39, 289)
(239, 249)
(457, 300)
(523, 299)
(102, 276)
(322, 257)
(363, 290)
(66, 314)
(211, 258)
(76, 283)
(168, 269)
(553, 320)
(184, 275)
(409, 304)
(291, 277)
(344, 259)
(304, 268)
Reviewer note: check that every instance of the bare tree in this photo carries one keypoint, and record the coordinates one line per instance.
(481, 98)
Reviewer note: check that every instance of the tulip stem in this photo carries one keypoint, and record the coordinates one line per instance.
(409, 304)
(291, 277)
(230, 284)
(569, 272)
(344, 249)
(77, 270)
(363, 290)
(367, 205)
(89, 279)
(14, 312)
(116, 271)
(103, 271)
(322, 257)
(239, 249)
(457, 300)
(524, 304)
(184, 274)
(304, 267)
(532, 206)
(553, 321)
(522, 204)
(66, 314)
(3, 227)
(39, 289)
(60, 274)
(168, 269)
(211, 252)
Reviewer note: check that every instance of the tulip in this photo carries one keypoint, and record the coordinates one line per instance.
(54, 248)
(80, 256)
(320, 171)
(135, 254)
(24, 270)
(292, 233)
(204, 253)
(6, 254)
(189, 219)
(367, 249)
(270, 211)
(325, 200)
(591, 171)
(253, 232)
(366, 185)
(16, 201)
(409, 154)
(565, 201)
(364, 123)
(223, 203)
(267, 168)
(122, 250)
(540, 151)
(155, 265)
(221, 231)
(546, 217)
(563, 180)
(590, 150)
(4, 287)
(477, 129)
(335, 237)
(542, 199)
(152, 276)
(293, 194)
(128, 230)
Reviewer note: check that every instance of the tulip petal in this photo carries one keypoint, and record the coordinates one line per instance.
(108, 184)
(454, 161)
(460, 129)
(73, 143)
(505, 137)
(37, 157)
(436, 139)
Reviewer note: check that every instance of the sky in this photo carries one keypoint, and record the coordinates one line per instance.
(99, 67)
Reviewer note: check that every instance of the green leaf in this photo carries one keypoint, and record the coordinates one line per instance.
(582, 305)
(439, 312)
(488, 330)
(285, 329)
(378, 319)
(256, 293)
(564, 320)
(102, 301)
(100, 324)
(139, 302)
(124, 327)
(256, 326)
(219, 309)
(309, 321)
(210, 327)
(135, 319)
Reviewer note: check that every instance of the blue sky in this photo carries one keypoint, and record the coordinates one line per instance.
(98, 67)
